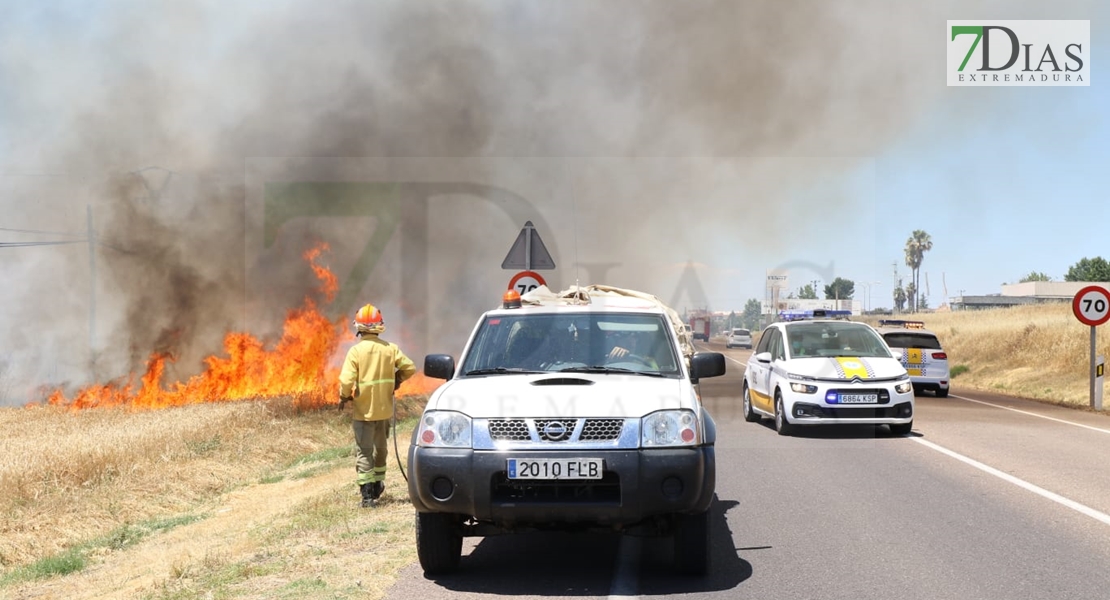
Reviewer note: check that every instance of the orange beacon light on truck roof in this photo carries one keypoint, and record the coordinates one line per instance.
(511, 299)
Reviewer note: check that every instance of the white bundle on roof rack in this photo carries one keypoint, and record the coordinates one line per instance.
(581, 295)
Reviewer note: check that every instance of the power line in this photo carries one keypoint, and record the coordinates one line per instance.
(20, 244)
(36, 231)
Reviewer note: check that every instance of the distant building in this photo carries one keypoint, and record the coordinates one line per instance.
(1020, 294)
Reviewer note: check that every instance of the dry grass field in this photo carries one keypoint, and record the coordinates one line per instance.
(250, 499)
(1038, 351)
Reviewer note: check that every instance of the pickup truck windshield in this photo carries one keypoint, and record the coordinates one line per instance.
(587, 342)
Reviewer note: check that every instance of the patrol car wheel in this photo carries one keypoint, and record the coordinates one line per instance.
(942, 393)
(781, 424)
(692, 543)
(749, 413)
(438, 542)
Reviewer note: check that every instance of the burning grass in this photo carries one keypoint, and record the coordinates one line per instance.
(114, 456)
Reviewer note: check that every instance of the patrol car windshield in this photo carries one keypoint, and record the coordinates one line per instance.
(582, 342)
(912, 340)
(807, 340)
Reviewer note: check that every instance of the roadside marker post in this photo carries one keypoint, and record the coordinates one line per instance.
(1091, 305)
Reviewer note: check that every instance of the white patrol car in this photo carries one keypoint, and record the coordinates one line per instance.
(815, 370)
(920, 352)
(575, 411)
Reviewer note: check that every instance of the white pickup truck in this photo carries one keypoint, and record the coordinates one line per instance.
(574, 411)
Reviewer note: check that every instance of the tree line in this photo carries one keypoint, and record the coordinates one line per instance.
(908, 297)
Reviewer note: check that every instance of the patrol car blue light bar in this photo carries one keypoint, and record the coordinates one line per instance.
(798, 315)
(902, 323)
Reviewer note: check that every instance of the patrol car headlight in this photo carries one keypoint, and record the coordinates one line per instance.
(904, 388)
(803, 388)
(444, 428)
(669, 428)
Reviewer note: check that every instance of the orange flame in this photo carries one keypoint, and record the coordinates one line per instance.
(299, 366)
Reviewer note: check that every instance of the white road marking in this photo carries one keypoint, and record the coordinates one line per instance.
(1057, 498)
(627, 575)
(741, 363)
(1032, 414)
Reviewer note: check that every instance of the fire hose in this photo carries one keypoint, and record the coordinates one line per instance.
(396, 452)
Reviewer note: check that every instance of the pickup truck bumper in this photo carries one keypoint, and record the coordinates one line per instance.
(636, 485)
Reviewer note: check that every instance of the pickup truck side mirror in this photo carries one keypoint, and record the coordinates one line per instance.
(706, 364)
(439, 366)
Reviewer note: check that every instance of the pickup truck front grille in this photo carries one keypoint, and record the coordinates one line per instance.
(514, 430)
(555, 430)
(599, 430)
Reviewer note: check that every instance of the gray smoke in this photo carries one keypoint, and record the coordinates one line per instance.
(152, 113)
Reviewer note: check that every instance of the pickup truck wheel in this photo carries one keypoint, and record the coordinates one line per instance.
(691, 543)
(438, 542)
(781, 424)
(749, 413)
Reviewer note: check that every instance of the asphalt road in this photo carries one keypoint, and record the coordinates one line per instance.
(989, 498)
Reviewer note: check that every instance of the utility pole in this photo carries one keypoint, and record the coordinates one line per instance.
(894, 289)
(91, 235)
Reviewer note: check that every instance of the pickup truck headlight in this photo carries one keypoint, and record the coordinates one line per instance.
(669, 428)
(444, 428)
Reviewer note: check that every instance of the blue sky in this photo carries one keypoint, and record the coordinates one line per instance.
(1022, 188)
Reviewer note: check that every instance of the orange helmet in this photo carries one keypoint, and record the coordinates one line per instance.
(368, 319)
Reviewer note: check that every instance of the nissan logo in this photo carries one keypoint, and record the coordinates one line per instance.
(555, 430)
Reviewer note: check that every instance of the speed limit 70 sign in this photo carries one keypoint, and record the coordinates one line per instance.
(526, 281)
(1091, 305)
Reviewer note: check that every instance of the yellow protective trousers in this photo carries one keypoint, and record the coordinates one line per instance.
(370, 450)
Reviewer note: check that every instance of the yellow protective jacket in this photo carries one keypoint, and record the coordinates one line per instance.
(369, 372)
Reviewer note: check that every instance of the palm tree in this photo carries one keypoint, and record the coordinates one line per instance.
(899, 297)
(916, 246)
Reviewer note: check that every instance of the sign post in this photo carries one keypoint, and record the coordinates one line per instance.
(1091, 305)
(1100, 369)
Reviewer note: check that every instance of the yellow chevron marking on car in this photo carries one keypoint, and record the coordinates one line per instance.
(851, 367)
(914, 360)
(764, 398)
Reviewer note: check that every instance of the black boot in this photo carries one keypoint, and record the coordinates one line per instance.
(377, 490)
(368, 497)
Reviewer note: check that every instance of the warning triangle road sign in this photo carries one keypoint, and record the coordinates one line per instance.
(528, 252)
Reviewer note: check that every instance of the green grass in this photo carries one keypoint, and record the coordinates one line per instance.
(958, 370)
(76, 558)
(323, 456)
(204, 447)
(316, 462)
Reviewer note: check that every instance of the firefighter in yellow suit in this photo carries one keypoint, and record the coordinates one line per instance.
(371, 372)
